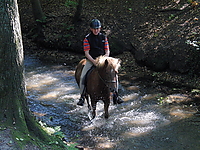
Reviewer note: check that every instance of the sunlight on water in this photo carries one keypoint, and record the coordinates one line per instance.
(52, 85)
(139, 118)
(49, 95)
(130, 96)
(38, 81)
(149, 96)
(105, 145)
(69, 96)
(180, 113)
(53, 93)
(138, 131)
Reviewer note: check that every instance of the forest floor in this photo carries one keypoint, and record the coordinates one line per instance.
(121, 15)
(124, 21)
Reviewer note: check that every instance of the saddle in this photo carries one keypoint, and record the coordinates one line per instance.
(88, 73)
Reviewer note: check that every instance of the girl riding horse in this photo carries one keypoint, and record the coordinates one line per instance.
(95, 44)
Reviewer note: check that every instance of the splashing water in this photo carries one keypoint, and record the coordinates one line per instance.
(138, 123)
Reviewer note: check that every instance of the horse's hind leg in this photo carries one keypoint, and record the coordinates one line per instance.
(114, 98)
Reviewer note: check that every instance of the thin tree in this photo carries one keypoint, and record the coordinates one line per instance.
(39, 19)
(14, 113)
(37, 10)
(78, 12)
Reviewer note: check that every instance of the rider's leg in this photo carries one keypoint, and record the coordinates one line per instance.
(82, 98)
(82, 82)
(116, 98)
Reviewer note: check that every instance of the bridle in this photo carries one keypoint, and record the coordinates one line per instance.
(105, 81)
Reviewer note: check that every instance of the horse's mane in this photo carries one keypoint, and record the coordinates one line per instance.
(115, 62)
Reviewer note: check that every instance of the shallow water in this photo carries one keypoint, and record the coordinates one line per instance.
(139, 123)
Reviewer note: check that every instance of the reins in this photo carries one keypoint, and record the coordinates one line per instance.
(105, 81)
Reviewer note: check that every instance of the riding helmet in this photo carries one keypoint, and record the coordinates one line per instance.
(95, 24)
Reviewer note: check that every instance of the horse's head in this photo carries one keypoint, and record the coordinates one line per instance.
(108, 69)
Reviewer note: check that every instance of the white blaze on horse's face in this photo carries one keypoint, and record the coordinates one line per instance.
(112, 80)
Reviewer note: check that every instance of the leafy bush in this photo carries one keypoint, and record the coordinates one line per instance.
(69, 3)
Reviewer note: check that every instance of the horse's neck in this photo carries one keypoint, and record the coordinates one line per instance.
(101, 74)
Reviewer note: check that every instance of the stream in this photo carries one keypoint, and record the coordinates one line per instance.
(141, 122)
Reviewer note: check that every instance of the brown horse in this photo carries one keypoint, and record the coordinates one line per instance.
(100, 82)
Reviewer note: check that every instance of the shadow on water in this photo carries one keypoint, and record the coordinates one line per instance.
(139, 123)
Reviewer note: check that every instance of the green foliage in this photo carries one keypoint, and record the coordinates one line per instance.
(155, 74)
(69, 43)
(196, 91)
(69, 3)
(56, 131)
(70, 28)
(2, 128)
(171, 16)
(43, 20)
(160, 101)
(67, 35)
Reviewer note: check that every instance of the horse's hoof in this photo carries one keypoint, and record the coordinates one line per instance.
(114, 103)
(119, 100)
(93, 117)
(81, 102)
(106, 117)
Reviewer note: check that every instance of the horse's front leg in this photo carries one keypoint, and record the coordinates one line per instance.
(106, 106)
(93, 103)
(87, 98)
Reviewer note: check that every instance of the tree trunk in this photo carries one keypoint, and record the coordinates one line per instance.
(13, 105)
(39, 19)
(37, 10)
(77, 15)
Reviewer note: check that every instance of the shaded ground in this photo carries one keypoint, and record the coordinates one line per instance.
(152, 33)
(158, 33)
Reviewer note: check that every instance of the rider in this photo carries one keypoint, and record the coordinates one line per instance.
(94, 45)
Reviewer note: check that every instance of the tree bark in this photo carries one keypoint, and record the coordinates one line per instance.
(39, 19)
(77, 15)
(37, 10)
(14, 112)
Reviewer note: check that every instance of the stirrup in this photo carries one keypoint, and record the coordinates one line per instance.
(119, 100)
(81, 101)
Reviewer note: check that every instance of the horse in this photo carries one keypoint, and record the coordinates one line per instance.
(100, 82)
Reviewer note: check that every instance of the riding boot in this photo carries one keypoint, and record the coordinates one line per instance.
(116, 98)
(119, 100)
(82, 98)
(81, 101)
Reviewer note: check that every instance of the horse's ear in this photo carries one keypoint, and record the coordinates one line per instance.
(119, 60)
(117, 65)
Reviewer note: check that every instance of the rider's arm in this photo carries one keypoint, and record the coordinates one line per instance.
(107, 53)
(106, 47)
(86, 47)
(89, 57)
